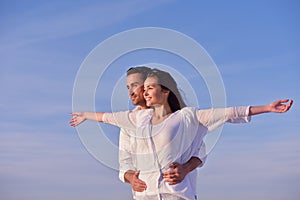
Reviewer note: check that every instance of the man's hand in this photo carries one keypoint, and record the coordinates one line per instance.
(137, 184)
(176, 174)
(77, 118)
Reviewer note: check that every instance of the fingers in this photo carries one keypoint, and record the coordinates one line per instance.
(283, 100)
(173, 165)
(136, 174)
(173, 176)
(281, 106)
(291, 103)
(137, 184)
(172, 179)
(73, 121)
(286, 107)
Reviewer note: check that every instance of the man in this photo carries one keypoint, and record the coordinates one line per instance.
(128, 172)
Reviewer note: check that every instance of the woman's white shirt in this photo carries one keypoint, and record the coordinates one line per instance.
(176, 139)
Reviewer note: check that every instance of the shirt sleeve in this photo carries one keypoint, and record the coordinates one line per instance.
(197, 132)
(125, 154)
(124, 119)
(198, 146)
(201, 154)
(215, 117)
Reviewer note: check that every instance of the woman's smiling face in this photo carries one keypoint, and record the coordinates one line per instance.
(153, 92)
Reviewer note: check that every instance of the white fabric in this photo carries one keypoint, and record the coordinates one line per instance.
(155, 147)
(127, 158)
(126, 154)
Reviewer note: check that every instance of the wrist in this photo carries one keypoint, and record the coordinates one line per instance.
(186, 168)
(84, 115)
(128, 176)
(268, 108)
(192, 164)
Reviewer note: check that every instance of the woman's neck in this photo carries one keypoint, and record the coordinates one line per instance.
(161, 112)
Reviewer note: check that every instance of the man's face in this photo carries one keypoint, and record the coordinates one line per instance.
(135, 86)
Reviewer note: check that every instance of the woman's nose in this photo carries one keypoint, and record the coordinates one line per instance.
(145, 93)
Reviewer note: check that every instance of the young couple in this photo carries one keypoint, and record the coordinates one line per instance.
(161, 141)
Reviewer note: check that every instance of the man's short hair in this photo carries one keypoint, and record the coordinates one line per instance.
(143, 70)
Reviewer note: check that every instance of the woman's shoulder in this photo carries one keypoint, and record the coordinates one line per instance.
(188, 111)
(189, 114)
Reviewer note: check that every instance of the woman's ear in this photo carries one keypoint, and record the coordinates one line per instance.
(167, 92)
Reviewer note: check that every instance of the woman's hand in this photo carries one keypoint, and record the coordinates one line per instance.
(280, 106)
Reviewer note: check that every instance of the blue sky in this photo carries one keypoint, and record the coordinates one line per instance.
(255, 45)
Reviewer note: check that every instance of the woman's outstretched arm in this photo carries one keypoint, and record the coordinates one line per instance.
(79, 117)
(213, 118)
(279, 106)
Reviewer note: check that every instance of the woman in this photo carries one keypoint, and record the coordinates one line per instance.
(165, 132)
